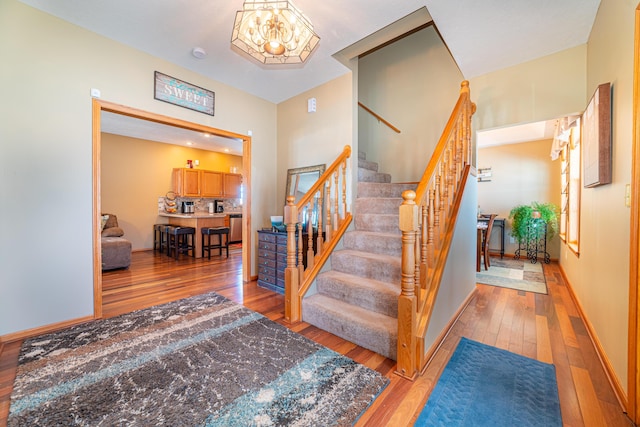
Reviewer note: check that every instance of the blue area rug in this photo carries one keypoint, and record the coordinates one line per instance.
(200, 361)
(486, 386)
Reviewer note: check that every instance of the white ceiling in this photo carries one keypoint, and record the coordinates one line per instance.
(483, 36)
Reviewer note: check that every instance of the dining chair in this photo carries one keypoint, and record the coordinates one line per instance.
(485, 241)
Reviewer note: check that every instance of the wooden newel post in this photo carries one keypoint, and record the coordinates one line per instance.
(407, 303)
(291, 274)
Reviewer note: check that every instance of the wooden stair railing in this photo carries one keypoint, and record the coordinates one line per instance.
(325, 204)
(427, 220)
(380, 119)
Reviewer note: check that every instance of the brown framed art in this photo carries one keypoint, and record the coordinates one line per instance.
(596, 138)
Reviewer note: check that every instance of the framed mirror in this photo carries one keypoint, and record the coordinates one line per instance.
(299, 181)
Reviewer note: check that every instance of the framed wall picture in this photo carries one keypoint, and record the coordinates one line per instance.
(596, 138)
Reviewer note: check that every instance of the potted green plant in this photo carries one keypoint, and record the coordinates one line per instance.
(524, 216)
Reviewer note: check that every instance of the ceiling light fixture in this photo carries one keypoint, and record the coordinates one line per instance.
(273, 32)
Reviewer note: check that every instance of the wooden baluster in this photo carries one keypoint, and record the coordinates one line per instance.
(310, 254)
(344, 189)
(337, 199)
(291, 274)
(320, 240)
(407, 302)
(328, 226)
(432, 222)
(300, 258)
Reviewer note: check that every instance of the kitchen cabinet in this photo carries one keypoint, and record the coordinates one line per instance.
(205, 183)
(232, 185)
(212, 184)
(186, 182)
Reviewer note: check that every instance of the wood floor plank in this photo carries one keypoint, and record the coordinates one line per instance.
(589, 403)
(545, 327)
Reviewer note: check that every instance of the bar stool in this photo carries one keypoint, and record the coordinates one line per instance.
(159, 236)
(215, 231)
(180, 239)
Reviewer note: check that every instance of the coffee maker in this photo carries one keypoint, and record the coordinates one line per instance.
(188, 207)
(218, 206)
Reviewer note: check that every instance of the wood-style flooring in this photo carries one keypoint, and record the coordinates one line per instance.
(544, 327)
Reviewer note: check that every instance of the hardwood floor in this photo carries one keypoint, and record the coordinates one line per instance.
(544, 327)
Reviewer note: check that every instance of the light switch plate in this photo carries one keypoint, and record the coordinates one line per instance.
(311, 105)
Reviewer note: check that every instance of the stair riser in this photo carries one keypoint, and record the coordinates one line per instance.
(376, 300)
(365, 164)
(366, 175)
(377, 244)
(378, 340)
(378, 205)
(365, 267)
(379, 223)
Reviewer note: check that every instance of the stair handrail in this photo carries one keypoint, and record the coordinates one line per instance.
(427, 219)
(377, 116)
(332, 216)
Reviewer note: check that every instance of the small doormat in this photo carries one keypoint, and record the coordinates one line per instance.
(487, 386)
(203, 360)
(518, 274)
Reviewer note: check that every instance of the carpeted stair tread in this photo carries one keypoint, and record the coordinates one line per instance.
(367, 264)
(376, 189)
(365, 328)
(371, 294)
(373, 241)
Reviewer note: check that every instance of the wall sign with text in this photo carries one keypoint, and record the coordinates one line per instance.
(177, 92)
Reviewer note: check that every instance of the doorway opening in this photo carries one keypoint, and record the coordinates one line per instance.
(100, 106)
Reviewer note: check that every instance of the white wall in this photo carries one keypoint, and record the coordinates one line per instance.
(49, 67)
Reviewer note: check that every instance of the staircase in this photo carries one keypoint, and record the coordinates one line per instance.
(358, 298)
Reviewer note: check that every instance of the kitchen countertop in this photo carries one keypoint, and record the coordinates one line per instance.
(193, 215)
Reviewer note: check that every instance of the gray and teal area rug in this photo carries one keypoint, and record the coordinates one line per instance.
(518, 274)
(487, 386)
(201, 361)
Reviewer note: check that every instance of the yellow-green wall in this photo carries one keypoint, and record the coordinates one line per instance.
(135, 172)
(46, 157)
(414, 84)
(545, 88)
(600, 275)
(557, 85)
(521, 173)
(308, 139)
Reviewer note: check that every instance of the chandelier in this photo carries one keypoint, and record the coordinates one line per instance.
(273, 32)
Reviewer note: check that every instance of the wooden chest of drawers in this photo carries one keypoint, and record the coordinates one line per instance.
(272, 260)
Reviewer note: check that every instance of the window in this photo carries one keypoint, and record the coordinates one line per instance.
(570, 200)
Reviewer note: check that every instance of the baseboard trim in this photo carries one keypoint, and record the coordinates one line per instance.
(446, 330)
(41, 330)
(602, 355)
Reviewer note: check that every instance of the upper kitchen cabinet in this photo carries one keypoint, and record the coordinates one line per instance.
(232, 184)
(212, 184)
(204, 183)
(186, 182)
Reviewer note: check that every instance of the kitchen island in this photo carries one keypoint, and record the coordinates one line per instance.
(198, 221)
